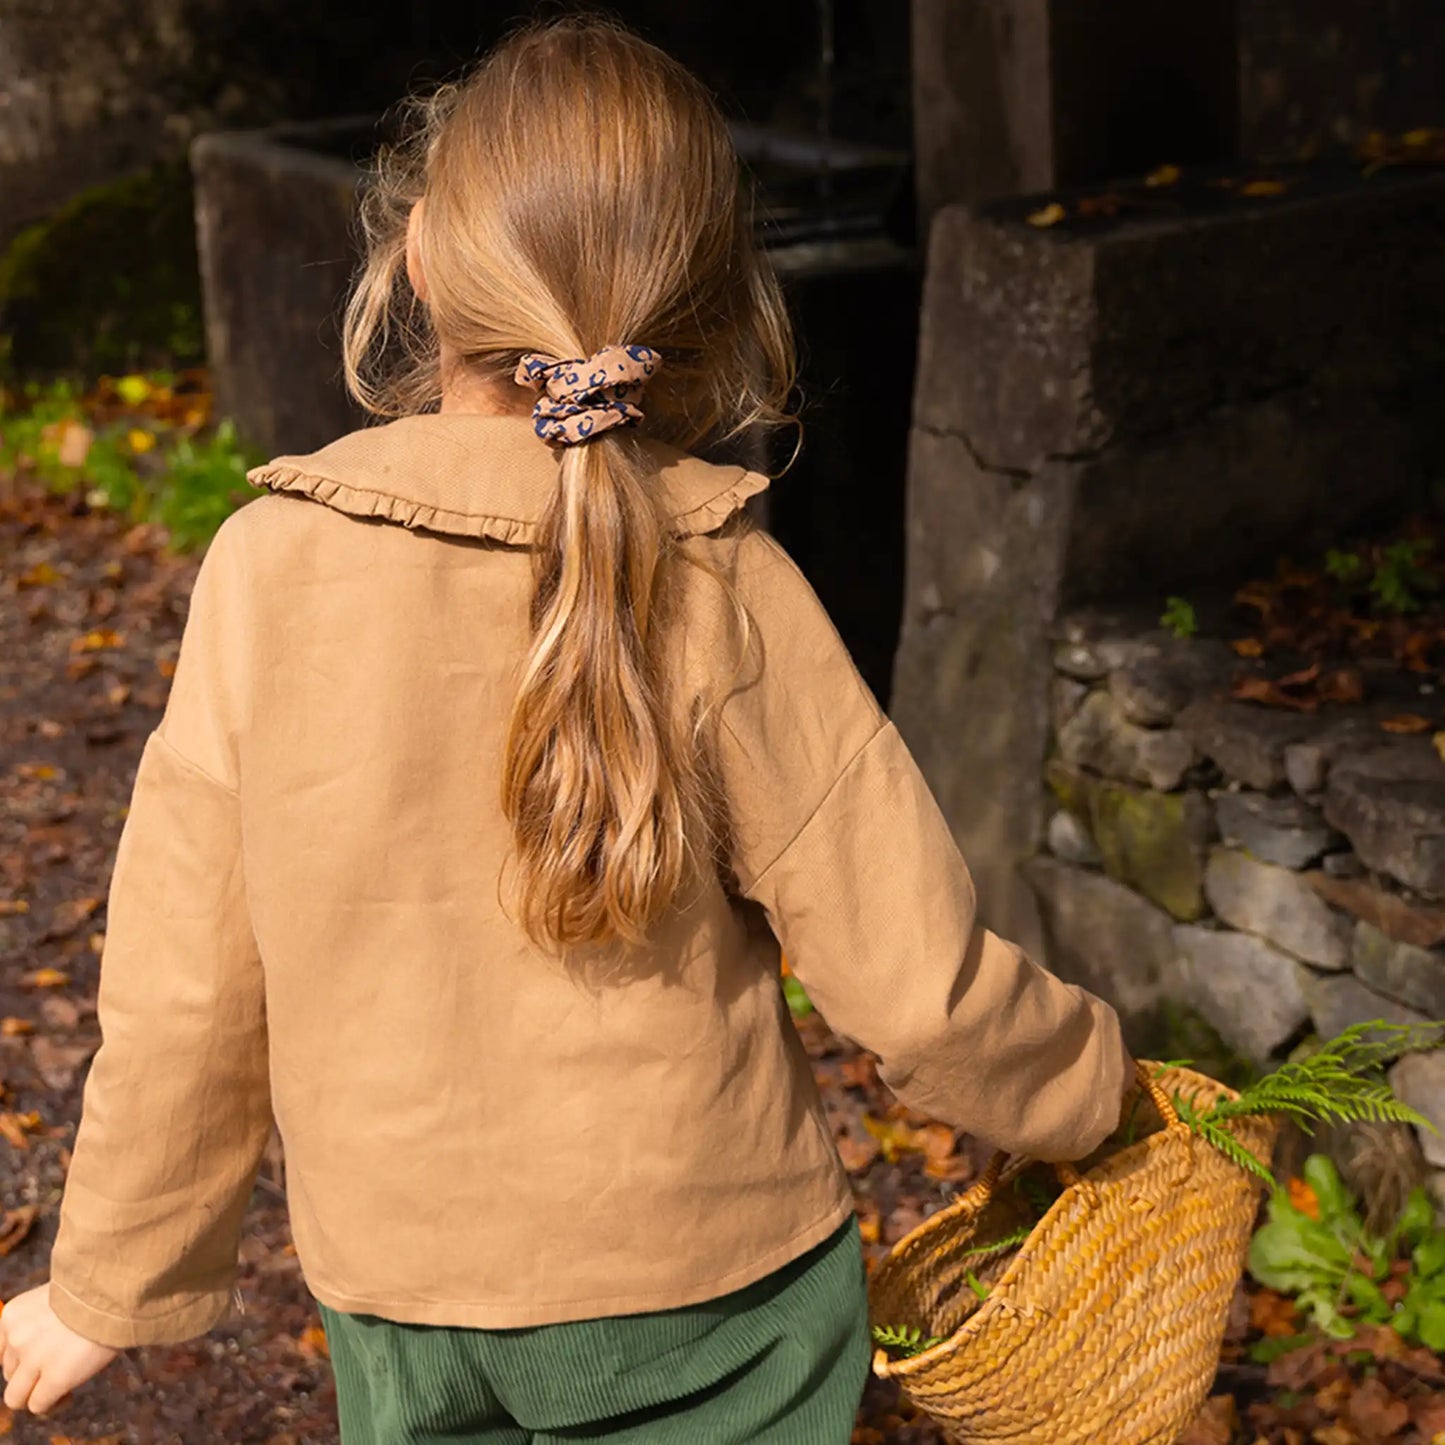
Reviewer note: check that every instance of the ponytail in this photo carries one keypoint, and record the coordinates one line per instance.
(601, 779)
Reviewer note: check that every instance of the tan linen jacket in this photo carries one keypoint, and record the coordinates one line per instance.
(304, 924)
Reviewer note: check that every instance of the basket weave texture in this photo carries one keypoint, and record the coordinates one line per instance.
(1105, 1324)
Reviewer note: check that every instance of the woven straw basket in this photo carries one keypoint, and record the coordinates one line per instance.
(1105, 1325)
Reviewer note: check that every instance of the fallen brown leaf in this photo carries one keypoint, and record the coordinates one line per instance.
(68, 916)
(16, 1128)
(312, 1343)
(44, 978)
(1215, 1424)
(856, 1153)
(97, 640)
(1049, 215)
(1106, 204)
(1270, 694)
(1406, 722)
(1341, 684)
(1375, 1410)
(869, 1223)
(1273, 1314)
(15, 1225)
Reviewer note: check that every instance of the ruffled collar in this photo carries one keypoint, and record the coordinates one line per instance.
(483, 476)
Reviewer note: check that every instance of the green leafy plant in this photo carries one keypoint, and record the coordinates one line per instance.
(1394, 576)
(1328, 1262)
(1400, 576)
(201, 485)
(142, 469)
(1179, 617)
(1345, 567)
(799, 1004)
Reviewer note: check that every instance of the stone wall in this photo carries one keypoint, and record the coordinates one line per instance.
(1281, 872)
(1131, 407)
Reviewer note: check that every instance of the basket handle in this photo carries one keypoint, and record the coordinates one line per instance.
(1068, 1176)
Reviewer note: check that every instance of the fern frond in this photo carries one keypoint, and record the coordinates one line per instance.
(1340, 1080)
(1213, 1133)
(998, 1245)
(904, 1340)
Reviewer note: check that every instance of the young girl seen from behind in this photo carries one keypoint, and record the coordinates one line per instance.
(503, 752)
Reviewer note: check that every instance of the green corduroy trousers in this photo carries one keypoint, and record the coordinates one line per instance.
(782, 1361)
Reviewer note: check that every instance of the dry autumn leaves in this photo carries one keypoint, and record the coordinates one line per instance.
(1367, 621)
(1424, 146)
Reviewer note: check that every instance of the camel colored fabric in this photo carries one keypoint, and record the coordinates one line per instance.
(304, 924)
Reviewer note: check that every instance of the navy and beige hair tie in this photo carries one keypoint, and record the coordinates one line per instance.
(582, 398)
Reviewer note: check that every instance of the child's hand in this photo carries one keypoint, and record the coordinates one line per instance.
(43, 1359)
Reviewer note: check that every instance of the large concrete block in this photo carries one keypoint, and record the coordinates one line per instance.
(275, 230)
(1206, 378)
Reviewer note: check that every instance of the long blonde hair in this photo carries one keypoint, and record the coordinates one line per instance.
(581, 189)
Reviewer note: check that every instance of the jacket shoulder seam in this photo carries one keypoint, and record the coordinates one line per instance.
(822, 802)
(195, 767)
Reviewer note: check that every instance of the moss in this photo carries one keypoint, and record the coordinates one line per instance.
(110, 283)
(1151, 841)
(1070, 787)
(1181, 1032)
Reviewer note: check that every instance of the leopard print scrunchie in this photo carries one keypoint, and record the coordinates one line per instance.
(582, 398)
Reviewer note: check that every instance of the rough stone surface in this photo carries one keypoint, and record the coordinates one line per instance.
(1082, 661)
(1121, 347)
(1342, 865)
(1397, 917)
(1155, 685)
(971, 680)
(1245, 742)
(274, 304)
(1337, 1000)
(1390, 803)
(1069, 839)
(1278, 905)
(1249, 990)
(1410, 975)
(81, 107)
(1100, 737)
(1154, 842)
(1307, 762)
(1284, 830)
(1065, 695)
(1105, 937)
(1418, 1080)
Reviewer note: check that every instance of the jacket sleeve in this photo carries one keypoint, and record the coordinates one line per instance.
(176, 1107)
(839, 839)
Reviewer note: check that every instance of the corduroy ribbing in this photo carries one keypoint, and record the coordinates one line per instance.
(783, 1360)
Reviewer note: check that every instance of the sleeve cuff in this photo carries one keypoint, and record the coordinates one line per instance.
(121, 1332)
